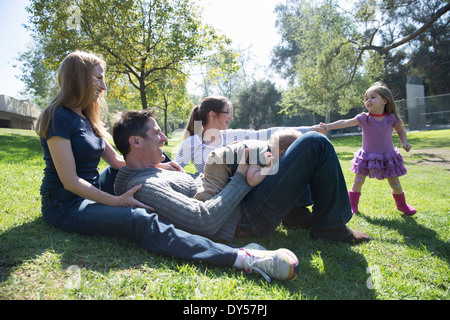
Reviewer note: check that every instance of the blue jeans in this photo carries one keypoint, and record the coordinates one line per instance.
(305, 199)
(312, 160)
(72, 213)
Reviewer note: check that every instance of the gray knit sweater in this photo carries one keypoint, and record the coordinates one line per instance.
(170, 194)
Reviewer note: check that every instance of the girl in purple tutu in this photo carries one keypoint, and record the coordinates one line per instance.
(377, 157)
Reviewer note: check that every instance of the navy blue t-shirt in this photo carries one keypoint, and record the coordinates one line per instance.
(87, 148)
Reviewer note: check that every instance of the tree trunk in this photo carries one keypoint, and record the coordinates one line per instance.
(143, 94)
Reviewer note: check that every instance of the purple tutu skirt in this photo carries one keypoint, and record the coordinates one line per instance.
(377, 165)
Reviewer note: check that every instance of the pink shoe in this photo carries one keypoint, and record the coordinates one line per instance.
(402, 205)
(354, 200)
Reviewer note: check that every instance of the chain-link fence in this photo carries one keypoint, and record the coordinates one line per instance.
(426, 113)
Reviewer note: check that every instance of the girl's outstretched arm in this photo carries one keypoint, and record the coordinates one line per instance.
(340, 124)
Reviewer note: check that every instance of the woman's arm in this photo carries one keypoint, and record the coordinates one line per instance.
(64, 161)
(232, 135)
(171, 165)
(254, 175)
(111, 157)
(185, 153)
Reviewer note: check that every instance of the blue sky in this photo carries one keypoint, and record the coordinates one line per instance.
(249, 23)
(13, 40)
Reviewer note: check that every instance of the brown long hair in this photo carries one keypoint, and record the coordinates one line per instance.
(390, 107)
(201, 112)
(76, 89)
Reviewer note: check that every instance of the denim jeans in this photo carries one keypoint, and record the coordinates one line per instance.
(72, 213)
(312, 160)
(305, 199)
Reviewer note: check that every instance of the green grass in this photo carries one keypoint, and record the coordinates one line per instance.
(408, 256)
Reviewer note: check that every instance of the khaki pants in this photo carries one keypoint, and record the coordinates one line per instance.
(216, 176)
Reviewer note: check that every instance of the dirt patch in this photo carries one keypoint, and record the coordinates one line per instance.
(435, 157)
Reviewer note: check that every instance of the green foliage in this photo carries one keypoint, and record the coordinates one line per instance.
(170, 96)
(331, 51)
(408, 257)
(219, 70)
(322, 71)
(141, 40)
(258, 105)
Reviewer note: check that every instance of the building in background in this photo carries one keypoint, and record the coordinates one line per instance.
(17, 114)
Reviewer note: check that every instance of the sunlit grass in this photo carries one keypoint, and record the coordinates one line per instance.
(408, 257)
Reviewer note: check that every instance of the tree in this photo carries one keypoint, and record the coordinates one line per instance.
(313, 32)
(39, 80)
(218, 70)
(171, 98)
(400, 11)
(414, 18)
(365, 46)
(257, 106)
(142, 39)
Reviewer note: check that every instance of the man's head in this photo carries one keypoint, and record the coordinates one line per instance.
(138, 137)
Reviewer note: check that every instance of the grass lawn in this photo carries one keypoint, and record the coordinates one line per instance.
(408, 257)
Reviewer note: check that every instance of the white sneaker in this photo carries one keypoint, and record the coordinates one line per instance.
(254, 246)
(281, 264)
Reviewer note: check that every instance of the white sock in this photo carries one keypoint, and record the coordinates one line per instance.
(238, 264)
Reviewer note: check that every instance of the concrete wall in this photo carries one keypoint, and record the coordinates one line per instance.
(415, 102)
(17, 114)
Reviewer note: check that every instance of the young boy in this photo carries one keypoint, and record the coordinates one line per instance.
(222, 163)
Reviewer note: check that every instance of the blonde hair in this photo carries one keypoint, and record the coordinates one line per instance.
(283, 138)
(390, 107)
(76, 89)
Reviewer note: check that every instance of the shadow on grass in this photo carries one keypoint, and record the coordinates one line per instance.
(415, 235)
(437, 140)
(327, 270)
(99, 253)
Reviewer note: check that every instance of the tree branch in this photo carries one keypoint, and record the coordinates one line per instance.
(391, 46)
(355, 66)
(419, 31)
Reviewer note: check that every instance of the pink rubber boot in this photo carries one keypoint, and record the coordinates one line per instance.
(402, 205)
(354, 200)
